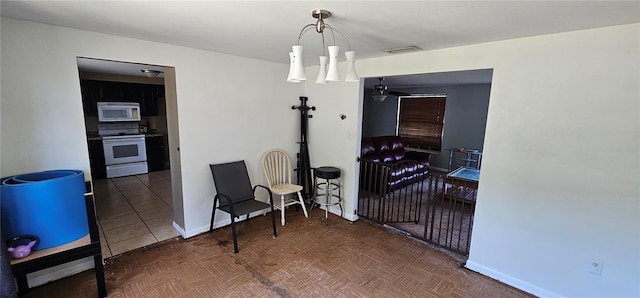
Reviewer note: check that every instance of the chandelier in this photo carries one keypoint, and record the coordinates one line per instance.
(327, 73)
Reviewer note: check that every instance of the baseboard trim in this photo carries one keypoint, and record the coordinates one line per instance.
(510, 280)
(350, 217)
(336, 210)
(44, 276)
(216, 224)
(180, 230)
(227, 221)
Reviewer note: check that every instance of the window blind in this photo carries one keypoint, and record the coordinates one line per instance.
(421, 121)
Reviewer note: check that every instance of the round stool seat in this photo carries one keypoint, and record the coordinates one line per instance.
(327, 192)
(327, 172)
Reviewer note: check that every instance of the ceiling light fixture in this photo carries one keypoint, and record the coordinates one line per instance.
(379, 97)
(379, 92)
(151, 73)
(329, 72)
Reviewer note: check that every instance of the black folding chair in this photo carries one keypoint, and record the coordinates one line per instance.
(236, 196)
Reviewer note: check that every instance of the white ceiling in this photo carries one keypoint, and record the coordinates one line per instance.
(115, 67)
(267, 29)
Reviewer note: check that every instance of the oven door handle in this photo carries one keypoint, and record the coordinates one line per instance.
(121, 140)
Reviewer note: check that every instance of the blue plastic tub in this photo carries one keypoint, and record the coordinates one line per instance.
(49, 205)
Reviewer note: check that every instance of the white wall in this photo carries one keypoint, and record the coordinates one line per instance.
(333, 141)
(228, 107)
(560, 175)
(561, 168)
(379, 118)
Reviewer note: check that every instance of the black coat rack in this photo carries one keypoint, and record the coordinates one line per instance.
(303, 165)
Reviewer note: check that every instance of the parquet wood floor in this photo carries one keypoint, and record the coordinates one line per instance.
(308, 259)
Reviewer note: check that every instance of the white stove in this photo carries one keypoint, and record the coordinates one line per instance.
(125, 151)
(118, 129)
(123, 136)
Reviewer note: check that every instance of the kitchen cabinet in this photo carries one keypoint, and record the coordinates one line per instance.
(132, 92)
(149, 102)
(144, 94)
(95, 91)
(90, 95)
(155, 152)
(96, 159)
(112, 91)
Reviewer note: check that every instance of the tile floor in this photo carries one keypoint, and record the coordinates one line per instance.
(134, 211)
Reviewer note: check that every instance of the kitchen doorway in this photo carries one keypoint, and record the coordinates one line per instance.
(141, 207)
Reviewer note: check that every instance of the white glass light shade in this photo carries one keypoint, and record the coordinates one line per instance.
(333, 74)
(323, 70)
(352, 75)
(291, 69)
(298, 69)
(379, 97)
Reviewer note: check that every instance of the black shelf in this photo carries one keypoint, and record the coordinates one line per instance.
(78, 249)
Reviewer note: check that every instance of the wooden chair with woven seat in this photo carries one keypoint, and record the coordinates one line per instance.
(277, 169)
(236, 196)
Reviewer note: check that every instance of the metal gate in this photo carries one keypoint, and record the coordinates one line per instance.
(401, 205)
(438, 209)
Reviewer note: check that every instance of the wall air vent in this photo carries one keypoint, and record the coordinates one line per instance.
(403, 49)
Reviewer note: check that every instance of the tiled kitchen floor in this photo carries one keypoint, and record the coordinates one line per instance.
(134, 211)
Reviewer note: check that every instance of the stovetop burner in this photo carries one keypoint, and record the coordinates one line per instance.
(120, 134)
(118, 129)
(131, 136)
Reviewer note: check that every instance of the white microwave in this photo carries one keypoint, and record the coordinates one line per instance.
(118, 111)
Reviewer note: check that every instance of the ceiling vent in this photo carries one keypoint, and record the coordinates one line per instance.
(403, 50)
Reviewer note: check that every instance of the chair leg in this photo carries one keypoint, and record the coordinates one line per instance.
(235, 235)
(340, 199)
(314, 193)
(213, 213)
(327, 196)
(273, 221)
(282, 209)
(302, 203)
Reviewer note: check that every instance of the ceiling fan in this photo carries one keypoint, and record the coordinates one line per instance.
(379, 92)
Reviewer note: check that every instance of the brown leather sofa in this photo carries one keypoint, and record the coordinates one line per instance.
(385, 165)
